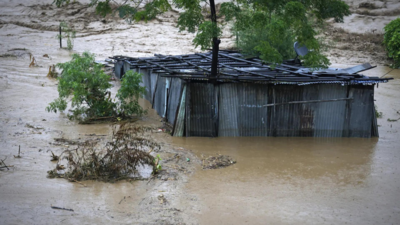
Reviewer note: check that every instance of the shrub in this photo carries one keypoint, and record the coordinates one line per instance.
(84, 83)
(129, 94)
(392, 41)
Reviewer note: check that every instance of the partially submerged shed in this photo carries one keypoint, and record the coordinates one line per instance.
(249, 98)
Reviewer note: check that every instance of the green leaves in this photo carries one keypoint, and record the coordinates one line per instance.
(103, 8)
(187, 4)
(57, 104)
(190, 20)
(60, 3)
(294, 12)
(84, 83)
(229, 10)
(392, 41)
(269, 28)
(129, 93)
(269, 53)
(315, 60)
(205, 34)
(324, 9)
(126, 11)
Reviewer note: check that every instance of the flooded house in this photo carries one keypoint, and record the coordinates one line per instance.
(249, 98)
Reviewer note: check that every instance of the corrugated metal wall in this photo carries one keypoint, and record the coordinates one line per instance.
(179, 125)
(160, 96)
(361, 109)
(252, 113)
(117, 68)
(146, 83)
(153, 83)
(285, 120)
(248, 109)
(174, 97)
(329, 117)
(126, 67)
(200, 110)
(228, 110)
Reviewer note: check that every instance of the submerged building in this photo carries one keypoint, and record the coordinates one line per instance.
(249, 98)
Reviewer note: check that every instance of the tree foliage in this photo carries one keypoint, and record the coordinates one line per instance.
(84, 83)
(392, 41)
(129, 94)
(269, 28)
(266, 28)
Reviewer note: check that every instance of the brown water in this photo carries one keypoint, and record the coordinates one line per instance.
(304, 180)
(275, 180)
(297, 181)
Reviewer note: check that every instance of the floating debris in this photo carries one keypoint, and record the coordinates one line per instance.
(116, 160)
(216, 162)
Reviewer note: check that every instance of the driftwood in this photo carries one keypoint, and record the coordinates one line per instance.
(19, 152)
(116, 160)
(56, 207)
(3, 164)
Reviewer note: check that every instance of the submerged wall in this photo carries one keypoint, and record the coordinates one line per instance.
(197, 108)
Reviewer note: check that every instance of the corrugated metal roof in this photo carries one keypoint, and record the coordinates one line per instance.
(233, 67)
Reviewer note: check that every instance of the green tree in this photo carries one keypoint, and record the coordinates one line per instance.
(266, 28)
(129, 93)
(392, 41)
(269, 28)
(84, 83)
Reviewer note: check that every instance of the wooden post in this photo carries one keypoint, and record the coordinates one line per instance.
(60, 38)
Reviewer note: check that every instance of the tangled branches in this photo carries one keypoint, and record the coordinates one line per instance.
(117, 160)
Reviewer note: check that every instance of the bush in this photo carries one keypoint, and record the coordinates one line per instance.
(86, 85)
(250, 38)
(392, 41)
(129, 94)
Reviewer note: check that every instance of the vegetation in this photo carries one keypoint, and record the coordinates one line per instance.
(377, 113)
(68, 33)
(392, 41)
(269, 28)
(87, 86)
(266, 28)
(117, 160)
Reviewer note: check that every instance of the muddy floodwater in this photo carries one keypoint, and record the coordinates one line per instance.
(275, 180)
(305, 180)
